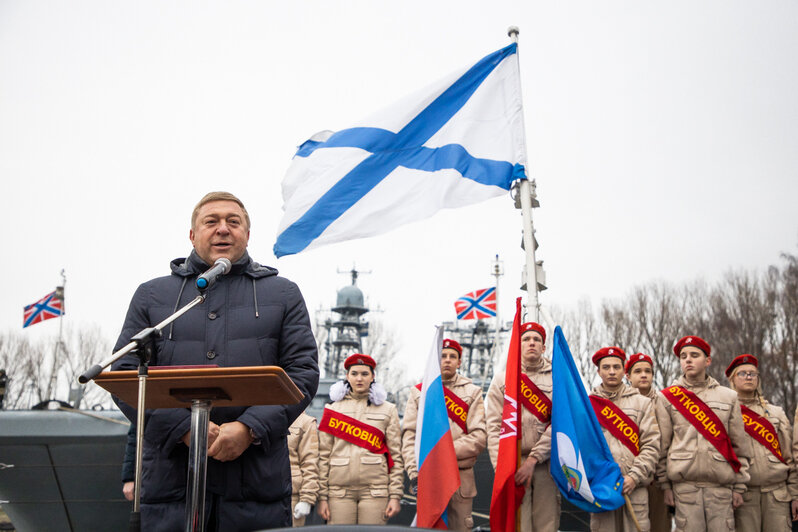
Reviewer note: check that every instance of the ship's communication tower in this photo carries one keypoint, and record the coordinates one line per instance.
(345, 327)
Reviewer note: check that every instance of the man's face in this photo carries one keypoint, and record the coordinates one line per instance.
(611, 372)
(642, 375)
(219, 231)
(450, 362)
(694, 362)
(532, 346)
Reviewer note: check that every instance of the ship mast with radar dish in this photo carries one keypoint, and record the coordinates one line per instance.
(345, 326)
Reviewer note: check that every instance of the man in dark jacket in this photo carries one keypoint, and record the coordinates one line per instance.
(251, 317)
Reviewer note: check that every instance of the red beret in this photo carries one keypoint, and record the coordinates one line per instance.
(740, 360)
(359, 359)
(638, 357)
(452, 344)
(694, 341)
(605, 352)
(532, 326)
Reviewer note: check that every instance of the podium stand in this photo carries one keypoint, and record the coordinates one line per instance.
(202, 388)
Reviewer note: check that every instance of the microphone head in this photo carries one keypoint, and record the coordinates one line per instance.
(220, 267)
(226, 263)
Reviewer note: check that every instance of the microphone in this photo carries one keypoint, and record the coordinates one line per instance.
(220, 267)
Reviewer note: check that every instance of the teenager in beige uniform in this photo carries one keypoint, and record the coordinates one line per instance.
(693, 473)
(640, 372)
(303, 451)
(540, 509)
(611, 396)
(771, 499)
(467, 444)
(357, 485)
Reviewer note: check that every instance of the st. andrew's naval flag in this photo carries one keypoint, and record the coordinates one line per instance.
(458, 142)
(581, 462)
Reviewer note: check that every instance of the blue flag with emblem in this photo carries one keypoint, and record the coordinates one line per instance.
(455, 143)
(581, 462)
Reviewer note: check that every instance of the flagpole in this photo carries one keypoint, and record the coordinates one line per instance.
(497, 272)
(52, 388)
(631, 510)
(526, 191)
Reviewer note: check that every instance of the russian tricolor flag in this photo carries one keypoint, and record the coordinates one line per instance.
(438, 474)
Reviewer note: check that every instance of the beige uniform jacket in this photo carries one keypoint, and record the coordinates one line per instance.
(640, 409)
(656, 398)
(343, 465)
(686, 456)
(535, 435)
(767, 471)
(466, 446)
(303, 451)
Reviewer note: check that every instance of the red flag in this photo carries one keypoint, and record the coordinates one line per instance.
(506, 498)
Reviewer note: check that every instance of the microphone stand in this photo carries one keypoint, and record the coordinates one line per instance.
(142, 345)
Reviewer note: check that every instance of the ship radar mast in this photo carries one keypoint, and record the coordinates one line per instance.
(346, 326)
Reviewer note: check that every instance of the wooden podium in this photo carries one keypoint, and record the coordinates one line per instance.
(201, 388)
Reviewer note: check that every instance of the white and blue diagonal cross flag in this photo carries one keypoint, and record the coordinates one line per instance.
(458, 142)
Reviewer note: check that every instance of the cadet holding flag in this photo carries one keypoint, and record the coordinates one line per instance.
(581, 462)
(773, 488)
(540, 509)
(630, 428)
(703, 466)
(466, 414)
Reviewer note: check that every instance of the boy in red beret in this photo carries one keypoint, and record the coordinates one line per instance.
(540, 508)
(640, 373)
(703, 467)
(466, 411)
(630, 428)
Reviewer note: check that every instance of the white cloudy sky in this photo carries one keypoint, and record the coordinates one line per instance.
(662, 136)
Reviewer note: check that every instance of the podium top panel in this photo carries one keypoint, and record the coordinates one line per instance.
(176, 387)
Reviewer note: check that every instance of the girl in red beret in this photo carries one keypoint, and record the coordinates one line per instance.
(772, 497)
(360, 459)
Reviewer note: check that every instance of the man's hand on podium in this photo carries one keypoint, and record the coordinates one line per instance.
(213, 433)
(233, 439)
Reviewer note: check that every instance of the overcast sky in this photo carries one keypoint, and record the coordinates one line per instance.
(662, 135)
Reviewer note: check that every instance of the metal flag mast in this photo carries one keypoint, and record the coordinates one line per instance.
(53, 385)
(497, 272)
(526, 200)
